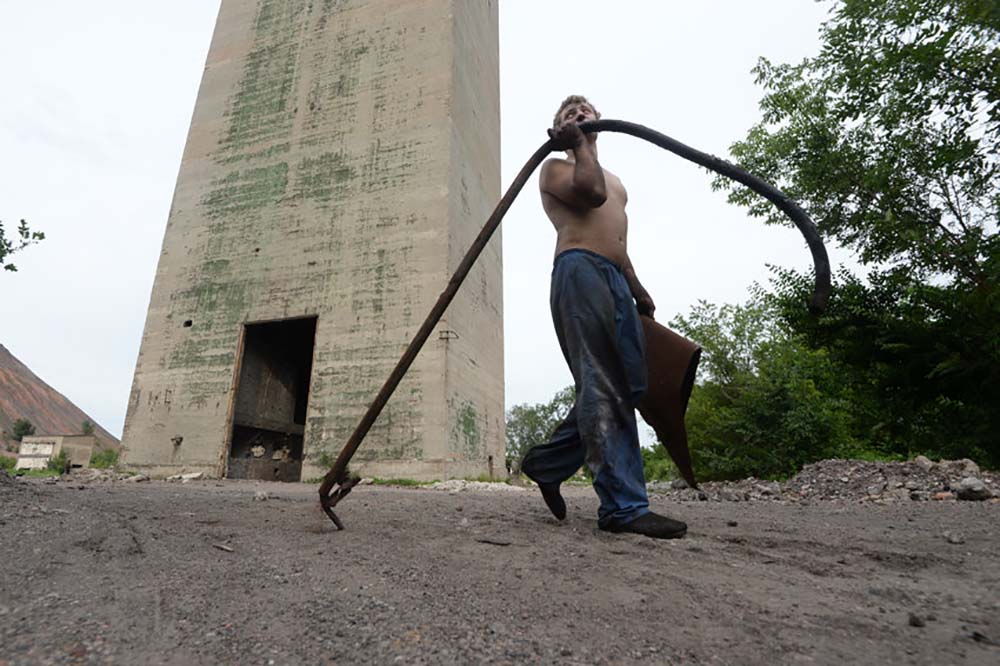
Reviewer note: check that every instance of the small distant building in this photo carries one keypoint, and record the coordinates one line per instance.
(37, 450)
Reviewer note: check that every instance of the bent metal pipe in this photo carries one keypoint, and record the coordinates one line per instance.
(329, 496)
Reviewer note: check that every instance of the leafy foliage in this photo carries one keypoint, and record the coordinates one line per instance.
(657, 465)
(58, 463)
(87, 428)
(766, 404)
(106, 459)
(7, 463)
(22, 428)
(529, 425)
(890, 138)
(23, 237)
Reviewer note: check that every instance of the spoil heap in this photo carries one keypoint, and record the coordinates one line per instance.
(853, 480)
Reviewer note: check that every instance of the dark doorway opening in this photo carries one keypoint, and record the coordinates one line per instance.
(272, 395)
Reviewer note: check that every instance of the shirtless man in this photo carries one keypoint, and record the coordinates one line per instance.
(597, 322)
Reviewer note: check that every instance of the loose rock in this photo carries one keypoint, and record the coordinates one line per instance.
(954, 537)
(972, 489)
(459, 485)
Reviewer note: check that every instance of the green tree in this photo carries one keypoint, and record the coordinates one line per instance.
(22, 428)
(87, 428)
(528, 425)
(22, 238)
(890, 138)
(765, 404)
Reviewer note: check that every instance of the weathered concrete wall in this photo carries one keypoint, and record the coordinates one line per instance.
(342, 156)
(35, 451)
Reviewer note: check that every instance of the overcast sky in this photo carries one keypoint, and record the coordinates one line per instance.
(97, 97)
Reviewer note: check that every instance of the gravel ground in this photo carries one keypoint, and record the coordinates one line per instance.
(205, 572)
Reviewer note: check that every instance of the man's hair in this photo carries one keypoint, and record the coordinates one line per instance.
(572, 99)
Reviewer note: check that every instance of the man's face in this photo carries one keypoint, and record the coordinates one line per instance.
(577, 113)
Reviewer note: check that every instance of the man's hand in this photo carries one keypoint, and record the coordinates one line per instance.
(644, 304)
(566, 137)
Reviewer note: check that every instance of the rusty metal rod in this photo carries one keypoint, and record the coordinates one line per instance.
(337, 476)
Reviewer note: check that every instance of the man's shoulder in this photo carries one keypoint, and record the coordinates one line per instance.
(556, 162)
(554, 170)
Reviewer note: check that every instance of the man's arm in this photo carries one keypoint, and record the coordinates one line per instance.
(581, 184)
(643, 301)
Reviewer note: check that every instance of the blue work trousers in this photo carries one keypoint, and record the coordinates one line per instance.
(601, 338)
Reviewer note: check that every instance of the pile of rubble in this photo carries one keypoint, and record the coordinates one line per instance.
(94, 475)
(458, 485)
(854, 480)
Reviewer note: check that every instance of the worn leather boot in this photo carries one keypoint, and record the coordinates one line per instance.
(652, 525)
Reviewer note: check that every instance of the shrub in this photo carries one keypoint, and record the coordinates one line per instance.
(58, 463)
(104, 459)
(22, 428)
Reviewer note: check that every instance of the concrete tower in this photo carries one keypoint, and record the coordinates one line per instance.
(342, 157)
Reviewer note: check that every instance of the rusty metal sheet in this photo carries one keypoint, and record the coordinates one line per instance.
(671, 363)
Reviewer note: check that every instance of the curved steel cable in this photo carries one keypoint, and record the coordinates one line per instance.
(337, 476)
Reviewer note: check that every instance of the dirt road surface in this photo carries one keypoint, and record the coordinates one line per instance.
(202, 573)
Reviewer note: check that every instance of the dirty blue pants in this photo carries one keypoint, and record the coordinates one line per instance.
(602, 340)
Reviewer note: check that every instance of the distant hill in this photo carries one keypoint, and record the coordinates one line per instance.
(24, 396)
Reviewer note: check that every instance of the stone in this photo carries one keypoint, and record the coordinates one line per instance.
(916, 621)
(731, 496)
(768, 489)
(953, 537)
(261, 496)
(678, 484)
(137, 478)
(946, 495)
(924, 463)
(969, 468)
(972, 489)
(875, 489)
(959, 468)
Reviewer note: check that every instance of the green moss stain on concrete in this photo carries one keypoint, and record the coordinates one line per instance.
(200, 353)
(263, 107)
(224, 302)
(216, 308)
(353, 373)
(379, 283)
(215, 267)
(465, 433)
(323, 178)
(246, 190)
(266, 154)
(389, 165)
